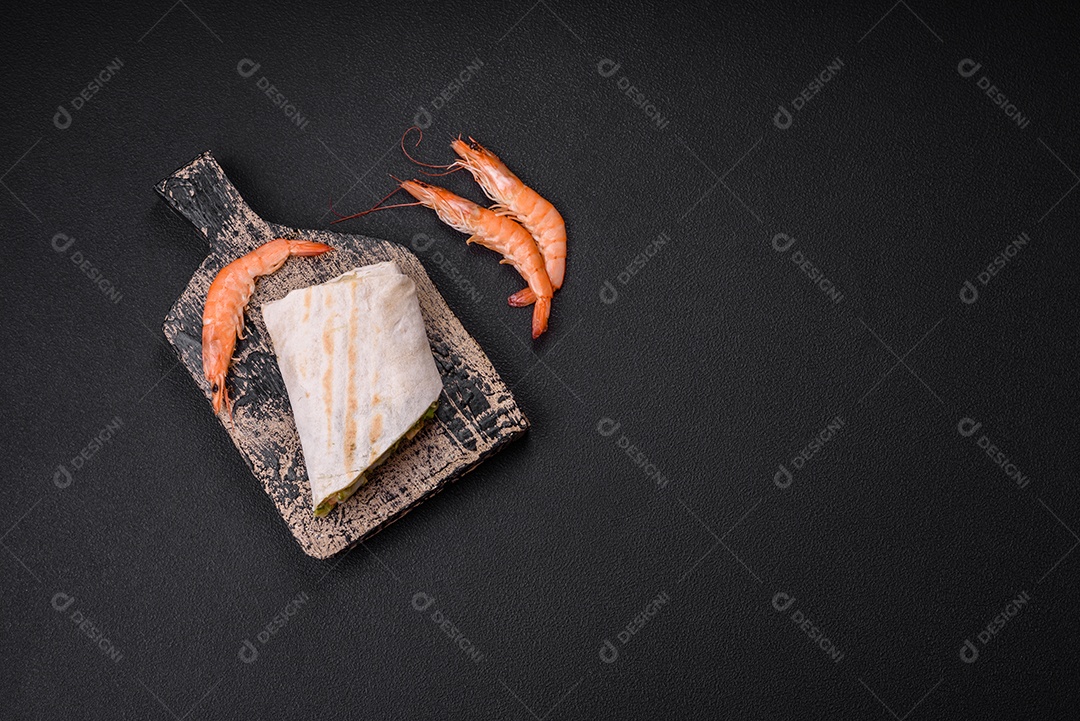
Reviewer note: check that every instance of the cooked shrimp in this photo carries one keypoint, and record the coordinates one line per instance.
(223, 315)
(494, 232)
(518, 201)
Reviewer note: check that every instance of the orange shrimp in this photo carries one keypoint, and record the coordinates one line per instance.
(516, 200)
(494, 232)
(223, 315)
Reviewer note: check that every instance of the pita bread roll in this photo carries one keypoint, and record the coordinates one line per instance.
(359, 372)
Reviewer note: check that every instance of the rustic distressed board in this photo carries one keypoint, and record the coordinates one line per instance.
(477, 414)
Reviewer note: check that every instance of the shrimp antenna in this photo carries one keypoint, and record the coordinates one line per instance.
(372, 209)
(332, 207)
(416, 145)
(387, 197)
(420, 162)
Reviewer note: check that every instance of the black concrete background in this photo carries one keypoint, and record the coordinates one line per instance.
(644, 495)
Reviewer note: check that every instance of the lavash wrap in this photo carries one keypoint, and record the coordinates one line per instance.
(359, 372)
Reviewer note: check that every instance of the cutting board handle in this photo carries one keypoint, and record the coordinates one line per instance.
(201, 192)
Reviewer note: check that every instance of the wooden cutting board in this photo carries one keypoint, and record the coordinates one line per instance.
(477, 415)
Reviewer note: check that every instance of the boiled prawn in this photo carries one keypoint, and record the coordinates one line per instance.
(223, 314)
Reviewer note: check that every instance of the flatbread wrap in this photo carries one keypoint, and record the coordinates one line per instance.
(354, 355)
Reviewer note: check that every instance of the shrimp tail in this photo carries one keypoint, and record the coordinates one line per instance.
(522, 298)
(221, 394)
(307, 247)
(540, 316)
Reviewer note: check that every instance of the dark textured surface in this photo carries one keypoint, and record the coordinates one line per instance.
(719, 360)
(476, 415)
